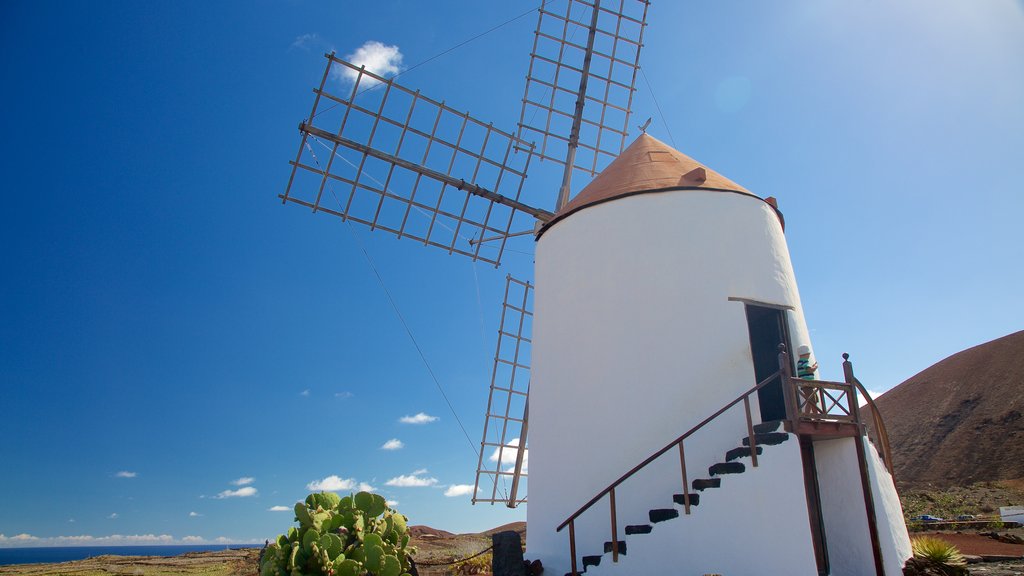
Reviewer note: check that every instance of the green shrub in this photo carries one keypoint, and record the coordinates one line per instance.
(937, 550)
(351, 536)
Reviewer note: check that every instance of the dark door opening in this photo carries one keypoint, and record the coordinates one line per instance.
(768, 329)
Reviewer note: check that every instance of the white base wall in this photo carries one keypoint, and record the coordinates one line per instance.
(755, 524)
(842, 504)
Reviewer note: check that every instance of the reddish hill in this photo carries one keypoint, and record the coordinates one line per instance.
(961, 420)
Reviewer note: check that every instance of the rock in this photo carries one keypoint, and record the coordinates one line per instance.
(507, 556)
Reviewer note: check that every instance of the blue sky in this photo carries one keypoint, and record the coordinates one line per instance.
(179, 353)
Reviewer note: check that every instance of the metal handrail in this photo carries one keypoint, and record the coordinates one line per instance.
(668, 447)
(879, 427)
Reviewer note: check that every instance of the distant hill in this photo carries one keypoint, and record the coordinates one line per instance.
(961, 420)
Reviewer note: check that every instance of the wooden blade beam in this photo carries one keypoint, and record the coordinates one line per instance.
(457, 183)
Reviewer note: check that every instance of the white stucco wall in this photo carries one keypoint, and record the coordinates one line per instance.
(635, 341)
(892, 528)
(748, 527)
(842, 508)
(842, 502)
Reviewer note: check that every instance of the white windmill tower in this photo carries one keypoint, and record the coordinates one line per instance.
(666, 305)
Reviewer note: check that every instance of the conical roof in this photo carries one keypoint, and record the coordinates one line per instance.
(648, 165)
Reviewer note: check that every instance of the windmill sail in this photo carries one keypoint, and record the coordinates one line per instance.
(502, 467)
(582, 75)
(395, 160)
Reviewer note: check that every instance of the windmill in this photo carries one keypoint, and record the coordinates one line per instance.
(664, 302)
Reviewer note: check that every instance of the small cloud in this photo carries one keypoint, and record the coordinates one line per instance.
(307, 41)
(223, 540)
(243, 481)
(194, 514)
(416, 479)
(364, 487)
(343, 395)
(192, 539)
(874, 395)
(393, 444)
(240, 493)
(420, 418)
(333, 483)
(113, 516)
(391, 503)
(420, 471)
(71, 520)
(377, 57)
(304, 392)
(509, 453)
(459, 490)
(278, 509)
(126, 474)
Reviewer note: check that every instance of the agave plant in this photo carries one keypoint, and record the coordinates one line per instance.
(351, 536)
(935, 556)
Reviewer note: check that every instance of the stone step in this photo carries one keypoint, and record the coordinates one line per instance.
(727, 468)
(694, 499)
(589, 561)
(705, 483)
(740, 452)
(622, 547)
(638, 529)
(765, 427)
(770, 439)
(662, 514)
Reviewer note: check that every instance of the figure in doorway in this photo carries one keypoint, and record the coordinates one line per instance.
(805, 371)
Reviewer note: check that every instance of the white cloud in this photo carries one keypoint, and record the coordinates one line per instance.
(343, 395)
(508, 455)
(126, 474)
(194, 514)
(420, 471)
(304, 392)
(459, 490)
(243, 481)
(240, 493)
(307, 41)
(223, 540)
(27, 540)
(415, 479)
(874, 395)
(379, 58)
(391, 503)
(364, 487)
(393, 444)
(278, 509)
(420, 418)
(332, 483)
(113, 516)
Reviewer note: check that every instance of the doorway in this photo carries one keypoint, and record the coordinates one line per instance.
(768, 328)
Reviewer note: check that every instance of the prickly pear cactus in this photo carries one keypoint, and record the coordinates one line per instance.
(351, 536)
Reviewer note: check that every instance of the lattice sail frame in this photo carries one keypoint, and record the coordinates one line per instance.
(505, 434)
(560, 67)
(396, 160)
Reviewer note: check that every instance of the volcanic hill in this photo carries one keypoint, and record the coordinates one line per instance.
(962, 420)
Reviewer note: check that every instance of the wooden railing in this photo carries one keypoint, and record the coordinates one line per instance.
(677, 443)
(805, 400)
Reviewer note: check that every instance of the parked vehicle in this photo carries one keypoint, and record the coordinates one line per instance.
(928, 518)
(965, 517)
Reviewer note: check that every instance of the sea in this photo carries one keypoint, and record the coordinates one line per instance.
(50, 554)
